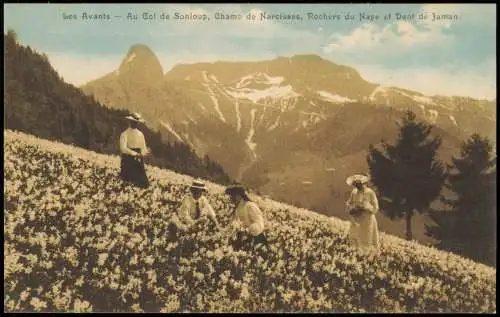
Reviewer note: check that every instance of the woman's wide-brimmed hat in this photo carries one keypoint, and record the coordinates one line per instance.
(198, 185)
(236, 189)
(358, 178)
(135, 117)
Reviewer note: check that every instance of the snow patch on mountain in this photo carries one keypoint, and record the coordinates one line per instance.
(212, 77)
(275, 124)
(205, 76)
(169, 128)
(132, 56)
(252, 145)
(452, 118)
(262, 115)
(237, 109)
(216, 103)
(274, 80)
(243, 80)
(287, 104)
(333, 97)
(259, 78)
(238, 116)
(212, 96)
(433, 115)
(423, 99)
(379, 90)
(274, 92)
(430, 114)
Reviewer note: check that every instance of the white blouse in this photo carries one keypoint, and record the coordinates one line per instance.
(132, 139)
(187, 210)
(250, 216)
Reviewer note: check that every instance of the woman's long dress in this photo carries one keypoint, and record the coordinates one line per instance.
(364, 229)
(132, 170)
(132, 167)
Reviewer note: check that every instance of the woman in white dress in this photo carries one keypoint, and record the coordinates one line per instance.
(362, 205)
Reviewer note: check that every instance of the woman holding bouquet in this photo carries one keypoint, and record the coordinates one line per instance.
(362, 205)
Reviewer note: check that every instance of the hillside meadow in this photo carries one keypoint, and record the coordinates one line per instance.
(78, 239)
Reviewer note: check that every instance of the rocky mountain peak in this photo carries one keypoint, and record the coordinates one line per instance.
(141, 64)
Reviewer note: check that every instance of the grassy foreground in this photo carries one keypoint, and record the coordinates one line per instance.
(78, 239)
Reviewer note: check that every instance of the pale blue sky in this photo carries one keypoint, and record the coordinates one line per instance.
(434, 57)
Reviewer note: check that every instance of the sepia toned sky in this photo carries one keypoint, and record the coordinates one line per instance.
(433, 57)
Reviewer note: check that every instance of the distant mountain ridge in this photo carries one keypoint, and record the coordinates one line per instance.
(291, 127)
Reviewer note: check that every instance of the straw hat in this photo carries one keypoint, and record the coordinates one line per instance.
(198, 185)
(358, 178)
(135, 117)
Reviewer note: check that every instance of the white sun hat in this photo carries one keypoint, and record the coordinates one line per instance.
(198, 185)
(363, 179)
(135, 117)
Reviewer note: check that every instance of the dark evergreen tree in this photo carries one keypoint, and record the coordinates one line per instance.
(407, 175)
(467, 225)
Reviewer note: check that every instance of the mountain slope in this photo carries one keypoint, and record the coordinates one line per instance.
(281, 126)
(95, 244)
(39, 102)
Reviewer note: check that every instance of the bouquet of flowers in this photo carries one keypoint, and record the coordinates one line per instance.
(356, 211)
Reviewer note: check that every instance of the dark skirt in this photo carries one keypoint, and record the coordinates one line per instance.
(132, 170)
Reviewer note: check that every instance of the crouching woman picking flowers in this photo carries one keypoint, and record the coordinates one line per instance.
(249, 216)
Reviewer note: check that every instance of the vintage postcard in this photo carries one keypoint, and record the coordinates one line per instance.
(250, 158)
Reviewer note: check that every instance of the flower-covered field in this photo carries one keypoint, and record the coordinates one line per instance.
(78, 239)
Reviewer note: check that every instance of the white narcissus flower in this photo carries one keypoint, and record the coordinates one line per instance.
(102, 258)
(37, 304)
(136, 308)
(81, 306)
(149, 260)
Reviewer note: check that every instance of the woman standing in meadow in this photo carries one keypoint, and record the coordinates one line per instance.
(362, 205)
(249, 215)
(133, 149)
